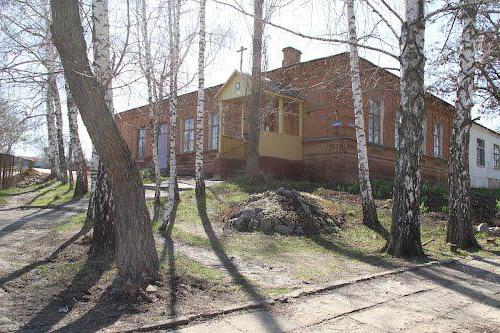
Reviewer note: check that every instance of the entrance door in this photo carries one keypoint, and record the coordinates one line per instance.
(163, 146)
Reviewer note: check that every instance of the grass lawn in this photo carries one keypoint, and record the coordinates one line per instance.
(14, 191)
(55, 193)
(274, 264)
(355, 250)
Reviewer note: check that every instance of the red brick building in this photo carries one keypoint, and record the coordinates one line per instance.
(307, 124)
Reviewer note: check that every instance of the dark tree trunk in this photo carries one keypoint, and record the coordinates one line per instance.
(136, 256)
(404, 240)
(459, 229)
(252, 165)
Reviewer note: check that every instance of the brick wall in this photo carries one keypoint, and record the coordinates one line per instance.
(329, 140)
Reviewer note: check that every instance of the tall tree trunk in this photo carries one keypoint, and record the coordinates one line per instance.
(71, 180)
(102, 200)
(370, 218)
(63, 169)
(174, 36)
(252, 167)
(52, 150)
(51, 134)
(136, 256)
(200, 112)
(81, 185)
(459, 229)
(405, 229)
(153, 104)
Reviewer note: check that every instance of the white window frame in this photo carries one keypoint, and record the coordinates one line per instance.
(214, 131)
(437, 140)
(141, 143)
(188, 135)
(375, 115)
(496, 156)
(480, 151)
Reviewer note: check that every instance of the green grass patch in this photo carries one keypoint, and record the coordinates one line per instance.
(186, 266)
(73, 223)
(54, 194)
(13, 191)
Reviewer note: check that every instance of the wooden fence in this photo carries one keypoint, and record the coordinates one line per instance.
(10, 166)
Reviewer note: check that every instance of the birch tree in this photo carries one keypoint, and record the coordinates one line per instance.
(154, 99)
(102, 205)
(174, 9)
(370, 218)
(81, 184)
(405, 238)
(136, 256)
(200, 112)
(52, 146)
(252, 165)
(56, 99)
(459, 230)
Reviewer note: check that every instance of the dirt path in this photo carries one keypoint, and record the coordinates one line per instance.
(459, 297)
(24, 240)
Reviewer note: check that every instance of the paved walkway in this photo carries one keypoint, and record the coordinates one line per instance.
(459, 297)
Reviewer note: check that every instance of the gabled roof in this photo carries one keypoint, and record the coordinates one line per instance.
(279, 88)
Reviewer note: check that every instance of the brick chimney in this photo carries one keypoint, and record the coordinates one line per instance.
(291, 56)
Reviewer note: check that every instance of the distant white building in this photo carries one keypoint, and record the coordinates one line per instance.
(484, 157)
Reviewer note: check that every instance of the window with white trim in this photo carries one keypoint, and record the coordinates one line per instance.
(437, 140)
(188, 135)
(480, 158)
(374, 122)
(214, 131)
(141, 144)
(496, 156)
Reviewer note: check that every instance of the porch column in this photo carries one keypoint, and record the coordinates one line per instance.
(281, 116)
(221, 128)
(301, 118)
(242, 119)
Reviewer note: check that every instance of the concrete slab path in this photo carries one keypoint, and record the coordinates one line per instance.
(456, 297)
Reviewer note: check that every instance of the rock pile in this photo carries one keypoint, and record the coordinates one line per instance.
(287, 212)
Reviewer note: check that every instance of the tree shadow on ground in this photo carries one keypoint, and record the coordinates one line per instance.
(108, 309)
(35, 189)
(78, 289)
(489, 262)
(431, 273)
(265, 316)
(26, 219)
(14, 275)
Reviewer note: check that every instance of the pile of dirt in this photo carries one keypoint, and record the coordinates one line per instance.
(29, 177)
(287, 212)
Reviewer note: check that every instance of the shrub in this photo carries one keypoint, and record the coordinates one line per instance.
(434, 196)
(483, 204)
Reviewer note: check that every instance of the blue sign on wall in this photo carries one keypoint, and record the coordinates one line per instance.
(336, 123)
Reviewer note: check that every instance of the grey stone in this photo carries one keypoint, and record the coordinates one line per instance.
(483, 227)
(284, 229)
(151, 289)
(494, 231)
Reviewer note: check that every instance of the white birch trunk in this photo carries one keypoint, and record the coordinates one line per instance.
(405, 229)
(174, 36)
(52, 149)
(459, 229)
(81, 186)
(370, 218)
(51, 134)
(101, 207)
(200, 112)
(153, 100)
(63, 176)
